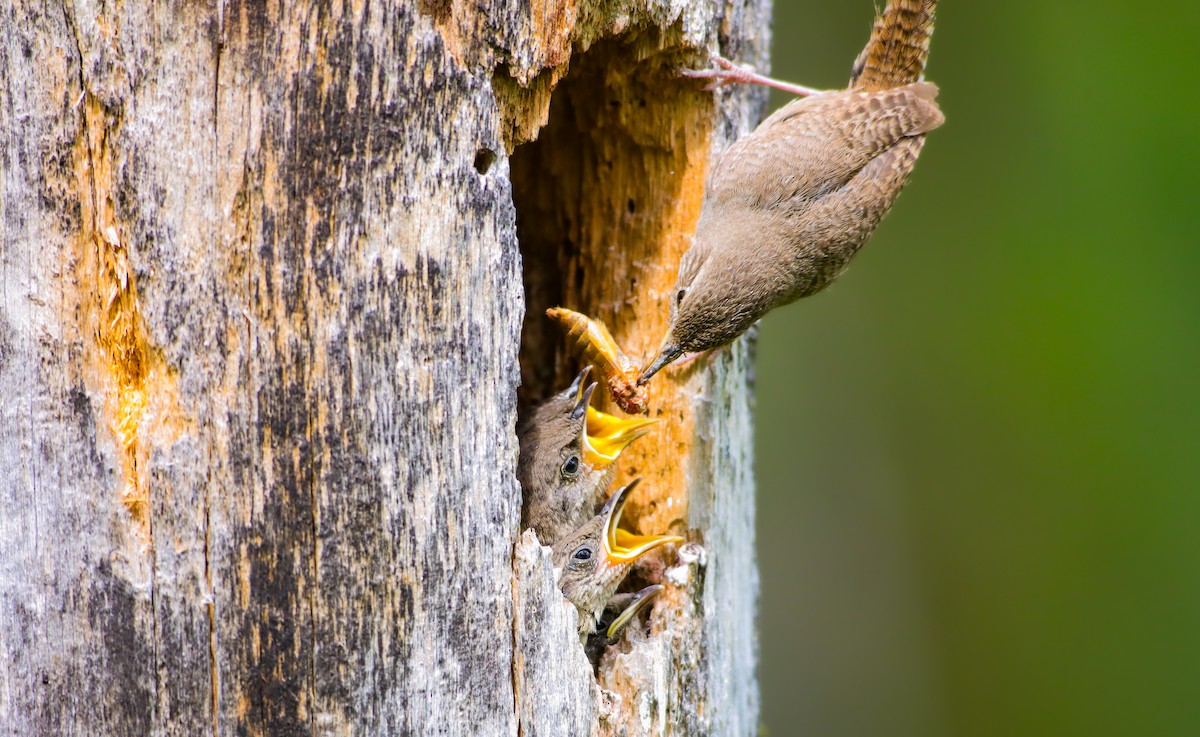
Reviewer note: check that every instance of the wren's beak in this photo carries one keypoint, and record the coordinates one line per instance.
(621, 547)
(637, 603)
(606, 436)
(667, 352)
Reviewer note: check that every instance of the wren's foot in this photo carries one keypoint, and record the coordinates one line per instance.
(730, 73)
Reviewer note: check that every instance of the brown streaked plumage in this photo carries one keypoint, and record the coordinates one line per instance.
(899, 46)
(789, 205)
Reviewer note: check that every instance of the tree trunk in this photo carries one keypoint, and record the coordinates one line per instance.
(261, 303)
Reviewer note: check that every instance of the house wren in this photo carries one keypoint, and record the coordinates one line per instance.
(568, 457)
(786, 207)
(594, 559)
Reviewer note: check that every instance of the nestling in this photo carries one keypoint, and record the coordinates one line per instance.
(788, 206)
(594, 559)
(568, 457)
(618, 613)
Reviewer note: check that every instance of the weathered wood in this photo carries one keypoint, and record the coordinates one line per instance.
(260, 310)
(556, 692)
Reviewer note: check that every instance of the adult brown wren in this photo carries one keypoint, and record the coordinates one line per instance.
(786, 207)
(568, 457)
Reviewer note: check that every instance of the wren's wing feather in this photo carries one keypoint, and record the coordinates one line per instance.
(846, 218)
(814, 146)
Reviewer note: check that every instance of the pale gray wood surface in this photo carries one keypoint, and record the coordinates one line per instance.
(259, 321)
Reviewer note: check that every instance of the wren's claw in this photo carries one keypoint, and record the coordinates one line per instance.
(594, 559)
(731, 73)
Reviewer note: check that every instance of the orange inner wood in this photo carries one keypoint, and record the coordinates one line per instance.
(607, 200)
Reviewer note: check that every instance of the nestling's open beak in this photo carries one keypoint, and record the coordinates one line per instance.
(606, 436)
(667, 352)
(621, 546)
(637, 603)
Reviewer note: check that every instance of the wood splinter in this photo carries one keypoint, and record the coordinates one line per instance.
(592, 339)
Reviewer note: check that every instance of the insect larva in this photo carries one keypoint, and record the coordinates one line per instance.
(592, 339)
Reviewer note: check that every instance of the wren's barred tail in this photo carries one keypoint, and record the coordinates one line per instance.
(898, 48)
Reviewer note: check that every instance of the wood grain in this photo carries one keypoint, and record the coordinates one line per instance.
(260, 311)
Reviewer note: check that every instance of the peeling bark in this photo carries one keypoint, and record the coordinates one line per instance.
(261, 303)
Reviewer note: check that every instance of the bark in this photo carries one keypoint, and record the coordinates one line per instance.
(261, 304)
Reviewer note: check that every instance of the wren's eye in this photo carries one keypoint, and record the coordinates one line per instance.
(582, 554)
(571, 467)
(680, 295)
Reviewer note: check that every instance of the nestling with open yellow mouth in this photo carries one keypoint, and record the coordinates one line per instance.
(568, 457)
(594, 559)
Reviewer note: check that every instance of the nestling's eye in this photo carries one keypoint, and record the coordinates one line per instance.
(679, 296)
(582, 554)
(571, 467)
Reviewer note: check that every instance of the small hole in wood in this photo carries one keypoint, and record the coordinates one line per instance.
(484, 160)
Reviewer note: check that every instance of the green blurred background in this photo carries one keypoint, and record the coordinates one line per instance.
(979, 452)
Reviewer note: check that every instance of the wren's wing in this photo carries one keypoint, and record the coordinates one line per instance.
(814, 146)
(849, 215)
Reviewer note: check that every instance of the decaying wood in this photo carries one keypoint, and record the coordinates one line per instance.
(261, 301)
(556, 693)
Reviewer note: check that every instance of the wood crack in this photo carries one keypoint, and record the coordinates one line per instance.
(314, 586)
(214, 670)
(218, 47)
(516, 650)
